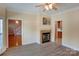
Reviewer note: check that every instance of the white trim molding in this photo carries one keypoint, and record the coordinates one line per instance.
(69, 46)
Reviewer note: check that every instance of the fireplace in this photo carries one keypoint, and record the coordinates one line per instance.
(45, 36)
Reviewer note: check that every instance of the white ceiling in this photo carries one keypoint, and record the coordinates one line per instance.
(31, 7)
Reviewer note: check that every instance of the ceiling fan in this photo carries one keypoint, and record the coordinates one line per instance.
(48, 6)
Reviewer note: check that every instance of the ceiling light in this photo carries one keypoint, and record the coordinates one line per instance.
(50, 6)
(17, 22)
(46, 7)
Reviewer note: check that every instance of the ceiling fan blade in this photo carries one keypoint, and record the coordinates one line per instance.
(55, 8)
(44, 10)
(40, 5)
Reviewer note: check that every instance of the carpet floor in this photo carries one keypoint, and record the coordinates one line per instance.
(40, 50)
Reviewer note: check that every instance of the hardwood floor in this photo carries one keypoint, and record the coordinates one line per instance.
(40, 50)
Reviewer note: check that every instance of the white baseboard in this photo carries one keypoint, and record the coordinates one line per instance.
(70, 47)
(2, 50)
(28, 43)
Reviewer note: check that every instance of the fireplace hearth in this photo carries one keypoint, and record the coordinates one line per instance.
(45, 36)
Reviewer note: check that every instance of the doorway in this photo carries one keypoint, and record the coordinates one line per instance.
(14, 33)
(58, 33)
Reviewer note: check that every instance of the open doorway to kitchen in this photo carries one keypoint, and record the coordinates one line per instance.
(14, 33)
(58, 33)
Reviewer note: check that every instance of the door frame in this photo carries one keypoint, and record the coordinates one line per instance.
(4, 35)
(56, 30)
(8, 33)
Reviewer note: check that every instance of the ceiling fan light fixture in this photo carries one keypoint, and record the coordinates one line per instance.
(46, 7)
(50, 6)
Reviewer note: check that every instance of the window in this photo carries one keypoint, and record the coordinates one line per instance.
(1, 33)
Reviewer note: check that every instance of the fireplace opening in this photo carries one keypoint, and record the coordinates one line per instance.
(45, 37)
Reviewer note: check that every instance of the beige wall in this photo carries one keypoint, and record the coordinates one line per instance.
(70, 27)
(28, 26)
(31, 25)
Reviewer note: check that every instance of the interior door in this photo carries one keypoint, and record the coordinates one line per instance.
(58, 33)
(14, 33)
